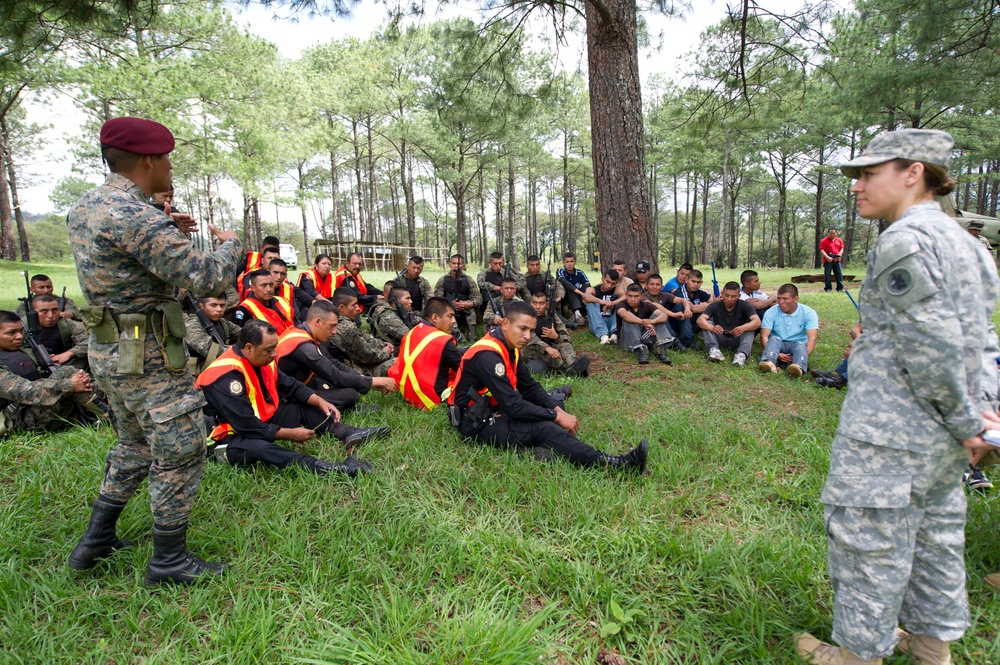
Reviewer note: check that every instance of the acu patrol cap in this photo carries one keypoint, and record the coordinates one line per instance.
(920, 145)
(137, 135)
(642, 266)
(973, 225)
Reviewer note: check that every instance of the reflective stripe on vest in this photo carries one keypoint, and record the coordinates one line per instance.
(253, 261)
(287, 292)
(324, 287)
(228, 362)
(487, 343)
(417, 365)
(281, 319)
(292, 339)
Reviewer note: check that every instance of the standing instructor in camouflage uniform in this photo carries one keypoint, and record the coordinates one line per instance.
(923, 385)
(130, 256)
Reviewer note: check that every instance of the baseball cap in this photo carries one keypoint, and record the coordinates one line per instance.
(931, 146)
(137, 135)
(642, 266)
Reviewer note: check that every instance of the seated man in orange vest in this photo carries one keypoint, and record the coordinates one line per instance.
(303, 355)
(262, 304)
(267, 255)
(428, 356)
(496, 401)
(286, 290)
(316, 282)
(255, 405)
(349, 275)
(253, 259)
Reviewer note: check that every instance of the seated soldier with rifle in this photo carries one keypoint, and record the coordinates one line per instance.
(41, 285)
(494, 313)
(36, 393)
(420, 289)
(263, 305)
(255, 405)
(535, 282)
(66, 340)
(208, 333)
(550, 349)
(495, 400)
(391, 319)
(491, 279)
(462, 292)
(351, 346)
(303, 354)
(428, 357)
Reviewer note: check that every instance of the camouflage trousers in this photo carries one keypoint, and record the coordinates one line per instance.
(381, 370)
(60, 415)
(160, 429)
(567, 355)
(895, 522)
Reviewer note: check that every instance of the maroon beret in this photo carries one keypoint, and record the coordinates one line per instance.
(143, 137)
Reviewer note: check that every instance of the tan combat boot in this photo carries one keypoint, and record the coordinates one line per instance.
(818, 652)
(994, 581)
(925, 650)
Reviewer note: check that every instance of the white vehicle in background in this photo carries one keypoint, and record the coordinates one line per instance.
(289, 255)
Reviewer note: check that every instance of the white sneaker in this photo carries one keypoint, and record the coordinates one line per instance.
(577, 316)
(605, 339)
(614, 338)
(740, 359)
(715, 354)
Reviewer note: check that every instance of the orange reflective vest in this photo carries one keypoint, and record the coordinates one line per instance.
(281, 317)
(229, 361)
(487, 343)
(323, 285)
(292, 339)
(286, 291)
(243, 284)
(253, 261)
(416, 368)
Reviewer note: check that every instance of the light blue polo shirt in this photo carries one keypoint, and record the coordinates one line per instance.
(791, 327)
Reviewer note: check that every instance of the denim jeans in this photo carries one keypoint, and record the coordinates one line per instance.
(800, 355)
(682, 328)
(833, 266)
(600, 324)
(842, 369)
(635, 336)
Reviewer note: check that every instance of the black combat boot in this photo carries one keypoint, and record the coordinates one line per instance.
(350, 467)
(834, 380)
(172, 562)
(661, 354)
(355, 436)
(100, 540)
(579, 368)
(643, 352)
(636, 459)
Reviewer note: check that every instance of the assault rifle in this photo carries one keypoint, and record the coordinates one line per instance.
(45, 363)
(203, 320)
(715, 282)
(62, 301)
(497, 309)
(549, 320)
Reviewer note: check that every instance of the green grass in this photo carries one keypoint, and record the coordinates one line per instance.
(451, 553)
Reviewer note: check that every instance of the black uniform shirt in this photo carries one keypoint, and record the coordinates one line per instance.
(529, 403)
(310, 358)
(451, 358)
(52, 340)
(227, 400)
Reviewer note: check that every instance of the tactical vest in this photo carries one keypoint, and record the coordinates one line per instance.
(535, 284)
(413, 286)
(416, 368)
(494, 278)
(21, 362)
(280, 316)
(487, 343)
(258, 388)
(323, 285)
(456, 289)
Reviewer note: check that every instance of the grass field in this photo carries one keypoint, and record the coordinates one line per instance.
(451, 553)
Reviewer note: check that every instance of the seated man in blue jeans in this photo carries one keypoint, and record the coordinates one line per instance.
(601, 301)
(788, 333)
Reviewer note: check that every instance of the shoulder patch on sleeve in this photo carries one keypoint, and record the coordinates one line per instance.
(905, 282)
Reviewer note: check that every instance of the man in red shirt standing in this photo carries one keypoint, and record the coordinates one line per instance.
(832, 249)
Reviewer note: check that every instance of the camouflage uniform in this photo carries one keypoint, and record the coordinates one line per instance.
(69, 307)
(421, 283)
(201, 344)
(921, 373)
(536, 347)
(362, 352)
(467, 316)
(488, 314)
(481, 280)
(129, 258)
(386, 324)
(75, 338)
(43, 404)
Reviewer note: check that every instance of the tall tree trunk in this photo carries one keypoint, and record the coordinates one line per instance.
(406, 175)
(302, 209)
(511, 213)
(692, 220)
(7, 251)
(704, 221)
(362, 229)
(818, 260)
(374, 218)
(338, 220)
(618, 153)
(782, 203)
(673, 249)
(8, 152)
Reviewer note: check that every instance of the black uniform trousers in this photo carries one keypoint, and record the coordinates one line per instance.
(342, 398)
(502, 432)
(242, 451)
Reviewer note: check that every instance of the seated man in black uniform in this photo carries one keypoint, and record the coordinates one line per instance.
(303, 355)
(65, 339)
(255, 405)
(496, 401)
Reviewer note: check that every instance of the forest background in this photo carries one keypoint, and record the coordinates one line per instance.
(472, 134)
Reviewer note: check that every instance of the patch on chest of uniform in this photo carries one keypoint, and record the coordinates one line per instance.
(899, 281)
(499, 369)
(235, 387)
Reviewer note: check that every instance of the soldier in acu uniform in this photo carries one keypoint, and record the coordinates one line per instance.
(409, 278)
(462, 292)
(923, 385)
(550, 349)
(29, 400)
(130, 257)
